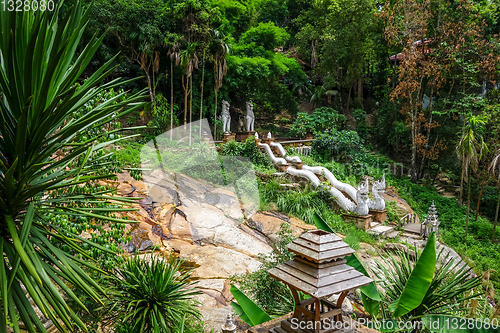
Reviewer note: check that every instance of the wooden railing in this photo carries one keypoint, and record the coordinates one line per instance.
(410, 218)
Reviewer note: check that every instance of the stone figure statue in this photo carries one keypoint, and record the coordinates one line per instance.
(226, 117)
(241, 126)
(250, 117)
(269, 135)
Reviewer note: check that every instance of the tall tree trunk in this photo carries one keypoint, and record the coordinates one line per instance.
(468, 206)
(348, 100)
(413, 146)
(190, 108)
(150, 88)
(360, 91)
(171, 98)
(496, 215)
(414, 129)
(483, 183)
(215, 115)
(461, 198)
(202, 80)
(186, 92)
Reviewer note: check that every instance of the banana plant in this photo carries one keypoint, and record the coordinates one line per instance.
(421, 292)
(39, 94)
(249, 312)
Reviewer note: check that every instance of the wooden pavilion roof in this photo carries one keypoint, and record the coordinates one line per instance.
(319, 268)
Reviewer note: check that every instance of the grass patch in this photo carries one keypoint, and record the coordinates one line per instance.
(128, 155)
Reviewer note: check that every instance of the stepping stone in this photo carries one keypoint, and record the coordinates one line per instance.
(380, 230)
(392, 234)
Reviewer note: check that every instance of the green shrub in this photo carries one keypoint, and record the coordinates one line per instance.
(320, 120)
(246, 149)
(129, 154)
(155, 296)
(273, 296)
(161, 115)
(341, 144)
(361, 127)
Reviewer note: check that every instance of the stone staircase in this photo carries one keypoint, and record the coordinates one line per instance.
(445, 187)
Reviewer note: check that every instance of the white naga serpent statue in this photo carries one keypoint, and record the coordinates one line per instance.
(358, 201)
(378, 189)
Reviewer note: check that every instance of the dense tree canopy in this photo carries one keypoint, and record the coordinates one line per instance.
(414, 69)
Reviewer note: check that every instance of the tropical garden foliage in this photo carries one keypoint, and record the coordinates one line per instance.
(39, 100)
(378, 84)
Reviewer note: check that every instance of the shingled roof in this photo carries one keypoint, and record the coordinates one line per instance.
(318, 267)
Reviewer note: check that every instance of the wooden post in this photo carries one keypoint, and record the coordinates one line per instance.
(339, 304)
(296, 300)
(317, 314)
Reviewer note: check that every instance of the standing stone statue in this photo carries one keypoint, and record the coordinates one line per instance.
(226, 117)
(250, 117)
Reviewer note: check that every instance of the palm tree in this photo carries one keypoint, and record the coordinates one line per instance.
(320, 92)
(470, 150)
(40, 96)
(143, 58)
(202, 83)
(494, 167)
(173, 53)
(189, 60)
(220, 67)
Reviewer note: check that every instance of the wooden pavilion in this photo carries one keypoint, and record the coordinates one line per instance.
(318, 269)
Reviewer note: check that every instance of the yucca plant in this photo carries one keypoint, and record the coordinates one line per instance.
(39, 67)
(155, 296)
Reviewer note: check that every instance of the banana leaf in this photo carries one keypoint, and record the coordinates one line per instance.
(371, 306)
(419, 281)
(253, 314)
(237, 308)
(320, 223)
(369, 290)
